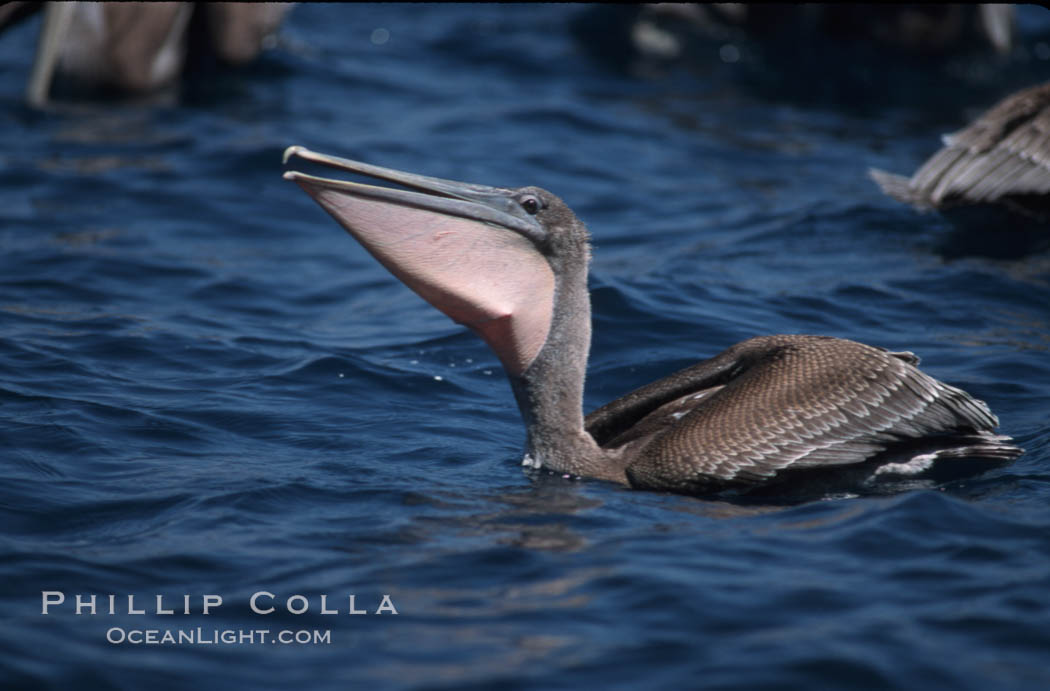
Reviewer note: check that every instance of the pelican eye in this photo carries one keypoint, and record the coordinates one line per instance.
(531, 205)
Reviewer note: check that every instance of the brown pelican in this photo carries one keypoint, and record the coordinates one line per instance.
(511, 264)
(137, 46)
(1001, 159)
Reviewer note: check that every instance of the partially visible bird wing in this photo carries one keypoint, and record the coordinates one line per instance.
(1005, 152)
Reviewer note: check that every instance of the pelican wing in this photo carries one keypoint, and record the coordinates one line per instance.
(1004, 153)
(786, 402)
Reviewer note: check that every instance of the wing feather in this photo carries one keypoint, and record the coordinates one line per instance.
(793, 402)
(1004, 153)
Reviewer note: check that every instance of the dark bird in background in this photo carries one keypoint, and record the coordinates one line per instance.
(926, 28)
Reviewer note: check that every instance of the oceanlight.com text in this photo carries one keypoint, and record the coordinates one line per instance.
(207, 636)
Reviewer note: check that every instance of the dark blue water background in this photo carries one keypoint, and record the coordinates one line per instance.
(207, 388)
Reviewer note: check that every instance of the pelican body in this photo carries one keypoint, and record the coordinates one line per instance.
(511, 264)
(1002, 159)
(137, 47)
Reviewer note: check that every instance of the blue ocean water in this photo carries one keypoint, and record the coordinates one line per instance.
(207, 388)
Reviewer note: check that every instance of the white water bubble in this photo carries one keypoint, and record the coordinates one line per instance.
(380, 36)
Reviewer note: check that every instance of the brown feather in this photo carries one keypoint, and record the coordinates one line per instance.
(780, 402)
(1004, 154)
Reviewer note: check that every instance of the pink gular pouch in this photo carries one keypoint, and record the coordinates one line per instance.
(484, 275)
